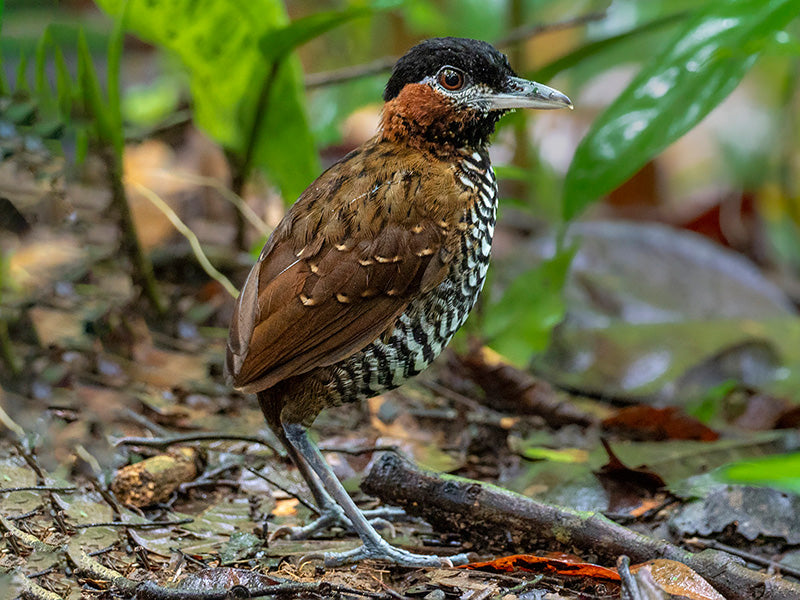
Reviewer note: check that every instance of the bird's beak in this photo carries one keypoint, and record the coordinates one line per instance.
(521, 93)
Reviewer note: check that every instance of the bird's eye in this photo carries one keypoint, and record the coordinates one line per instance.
(451, 79)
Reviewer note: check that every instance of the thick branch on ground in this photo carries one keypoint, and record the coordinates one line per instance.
(489, 516)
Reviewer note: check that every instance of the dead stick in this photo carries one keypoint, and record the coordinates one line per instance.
(489, 515)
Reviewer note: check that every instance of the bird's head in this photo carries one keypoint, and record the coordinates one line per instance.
(450, 92)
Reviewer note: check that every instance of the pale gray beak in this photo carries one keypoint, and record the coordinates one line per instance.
(521, 93)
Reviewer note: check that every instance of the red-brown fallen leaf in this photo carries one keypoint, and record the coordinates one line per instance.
(659, 424)
(640, 477)
(544, 564)
(626, 486)
(679, 580)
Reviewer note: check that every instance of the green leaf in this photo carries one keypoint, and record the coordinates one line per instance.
(42, 89)
(271, 106)
(21, 85)
(782, 472)
(114, 105)
(81, 145)
(673, 92)
(218, 44)
(63, 85)
(92, 97)
(520, 323)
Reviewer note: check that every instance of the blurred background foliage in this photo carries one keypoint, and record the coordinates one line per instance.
(685, 123)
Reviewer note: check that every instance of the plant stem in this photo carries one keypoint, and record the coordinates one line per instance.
(238, 181)
(142, 267)
(243, 168)
(7, 350)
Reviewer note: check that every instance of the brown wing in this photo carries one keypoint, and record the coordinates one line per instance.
(329, 282)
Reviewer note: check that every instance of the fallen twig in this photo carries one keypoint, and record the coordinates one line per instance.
(165, 442)
(150, 591)
(26, 538)
(31, 590)
(37, 488)
(147, 525)
(286, 490)
(491, 516)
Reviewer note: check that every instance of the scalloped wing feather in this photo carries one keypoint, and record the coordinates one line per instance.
(328, 283)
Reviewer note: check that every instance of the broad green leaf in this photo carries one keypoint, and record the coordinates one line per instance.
(703, 63)
(520, 323)
(218, 44)
(782, 472)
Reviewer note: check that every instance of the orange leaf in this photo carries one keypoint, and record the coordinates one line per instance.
(544, 565)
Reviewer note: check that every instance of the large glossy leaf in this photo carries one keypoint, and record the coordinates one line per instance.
(218, 43)
(700, 66)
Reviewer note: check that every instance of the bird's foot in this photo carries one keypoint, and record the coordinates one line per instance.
(333, 516)
(385, 551)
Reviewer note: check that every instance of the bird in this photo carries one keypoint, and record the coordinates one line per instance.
(377, 264)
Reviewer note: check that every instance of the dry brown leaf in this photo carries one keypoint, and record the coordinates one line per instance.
(678, 579)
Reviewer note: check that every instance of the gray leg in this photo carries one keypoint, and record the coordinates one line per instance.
(330, 513)
(374, 546)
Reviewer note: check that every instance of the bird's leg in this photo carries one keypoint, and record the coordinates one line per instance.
(374, 546)
(330, 513)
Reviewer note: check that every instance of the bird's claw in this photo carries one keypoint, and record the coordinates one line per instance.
(392, 554)
(380, 518)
